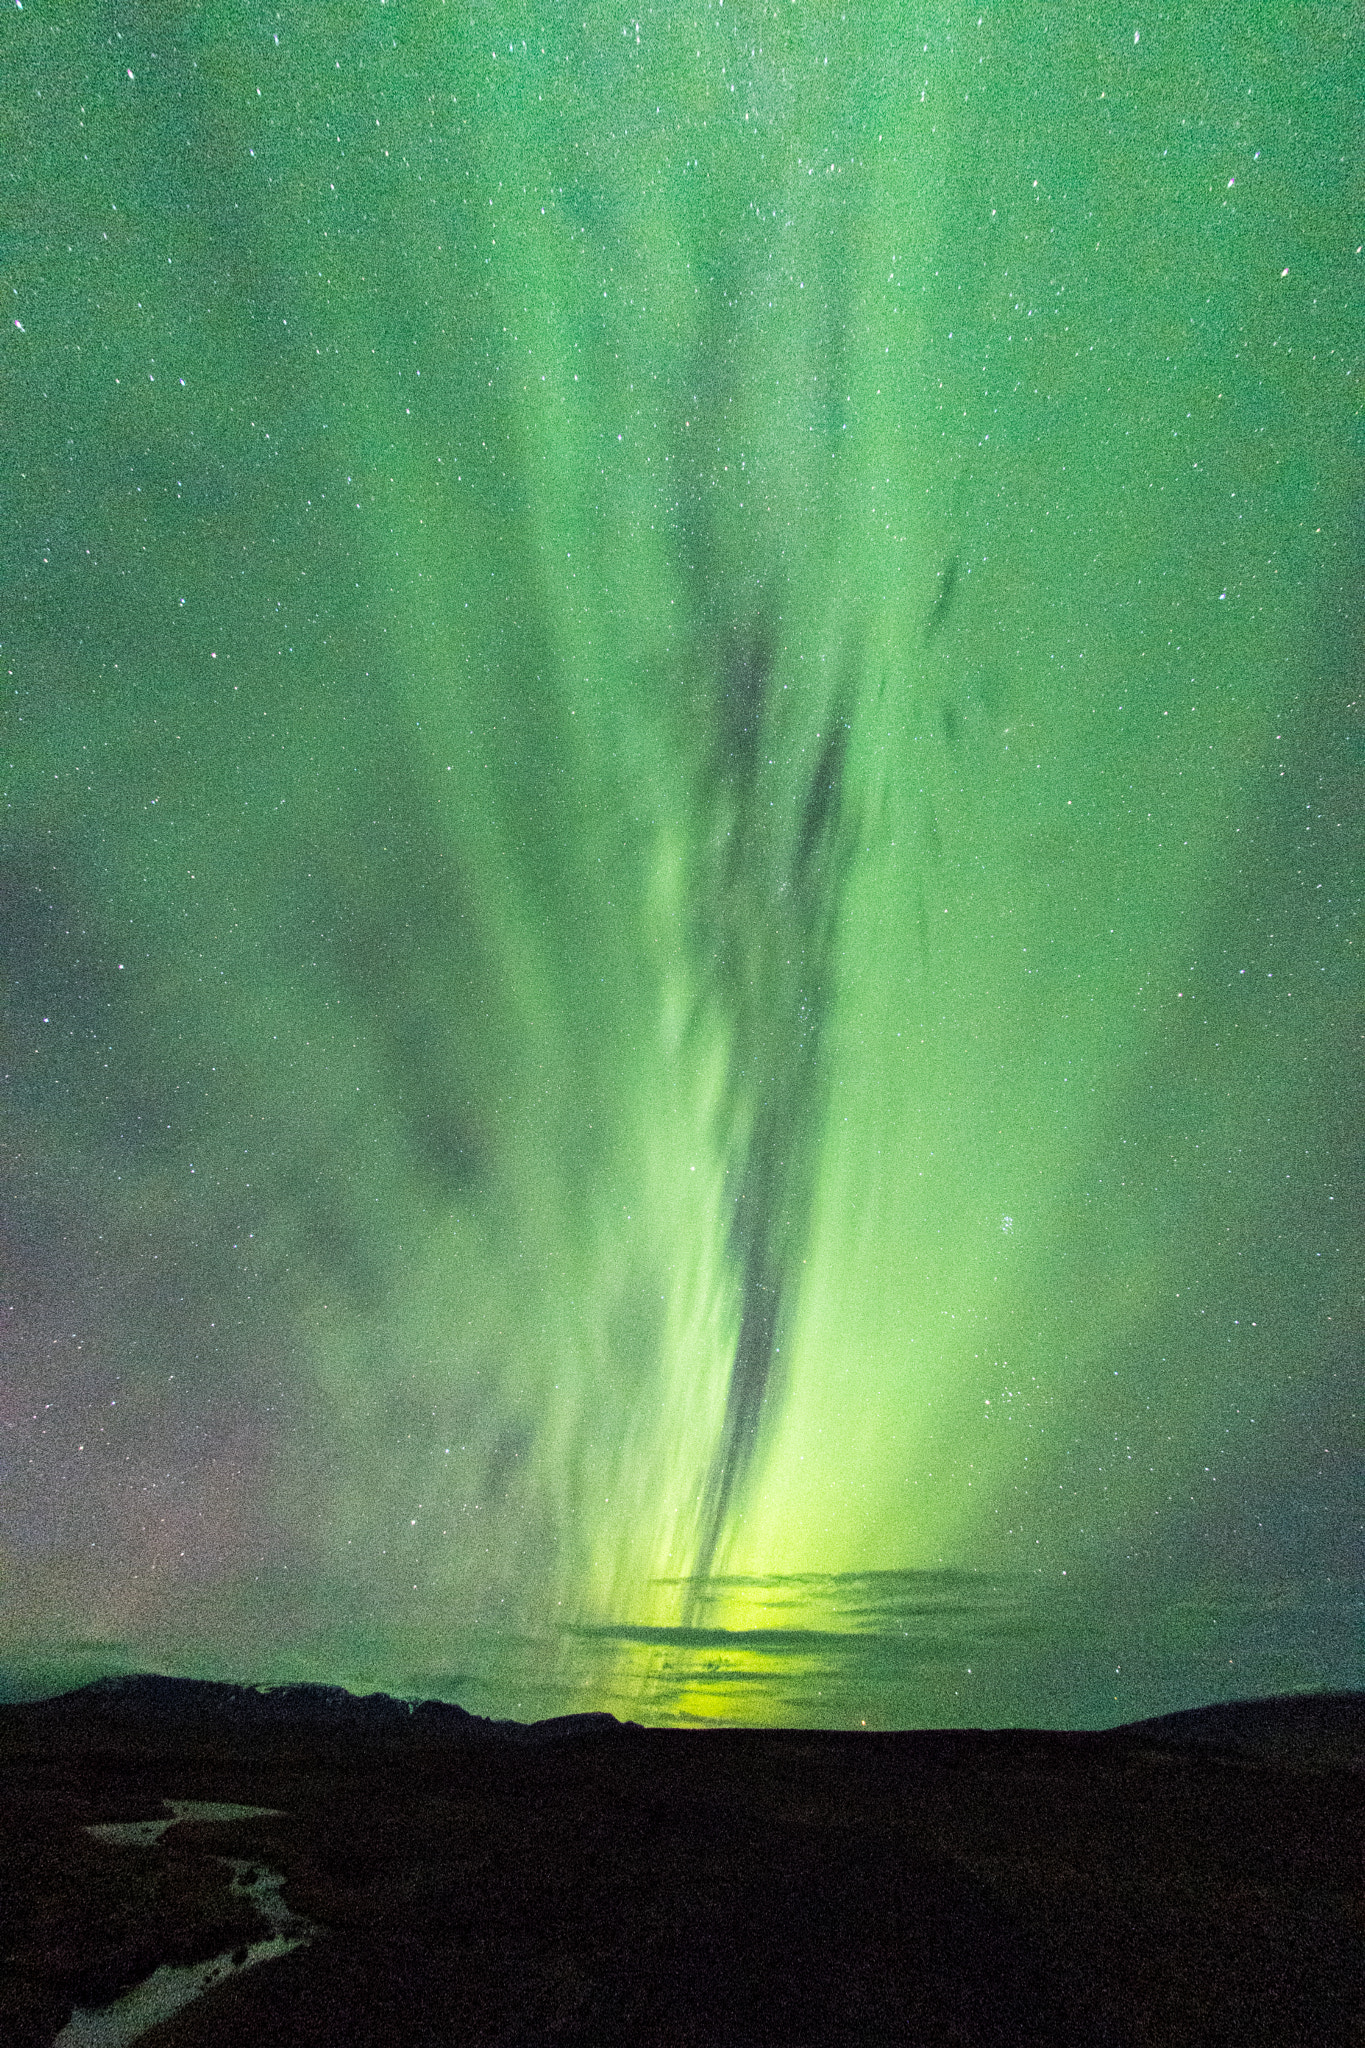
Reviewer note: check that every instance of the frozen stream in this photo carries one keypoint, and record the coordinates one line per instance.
(173, 1985)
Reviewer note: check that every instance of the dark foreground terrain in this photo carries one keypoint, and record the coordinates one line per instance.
(1193, 1881)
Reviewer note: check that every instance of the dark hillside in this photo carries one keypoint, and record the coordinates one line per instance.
(595, 1883)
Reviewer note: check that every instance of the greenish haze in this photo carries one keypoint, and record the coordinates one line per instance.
(681, 853)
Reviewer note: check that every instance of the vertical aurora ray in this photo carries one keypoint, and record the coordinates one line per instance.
(680, 844)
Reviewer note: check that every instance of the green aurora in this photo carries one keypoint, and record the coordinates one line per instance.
(681, 854)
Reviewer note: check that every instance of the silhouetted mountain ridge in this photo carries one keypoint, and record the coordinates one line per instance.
(1283, 1725)
(1325, 1726)
(148, 1697)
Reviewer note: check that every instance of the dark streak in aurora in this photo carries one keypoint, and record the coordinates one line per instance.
(943, 602)
(779, 993)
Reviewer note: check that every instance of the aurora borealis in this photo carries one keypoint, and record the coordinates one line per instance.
(682, 792)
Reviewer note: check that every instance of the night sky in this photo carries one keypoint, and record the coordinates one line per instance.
(681, 854)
